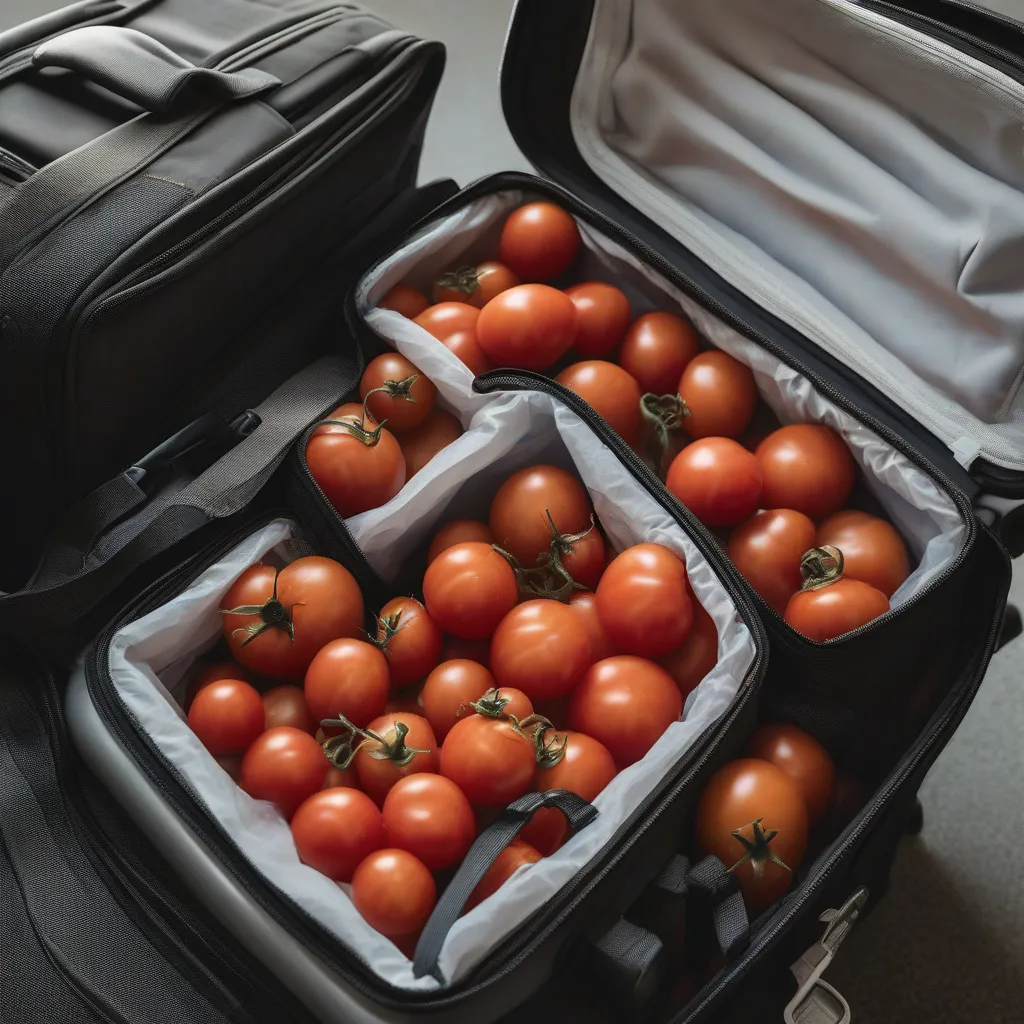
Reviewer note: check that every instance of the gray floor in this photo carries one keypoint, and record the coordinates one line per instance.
(952, 927)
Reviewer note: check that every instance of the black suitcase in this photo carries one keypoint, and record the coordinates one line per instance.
(884, 700)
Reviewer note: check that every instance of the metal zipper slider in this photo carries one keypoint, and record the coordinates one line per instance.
(817, 1002)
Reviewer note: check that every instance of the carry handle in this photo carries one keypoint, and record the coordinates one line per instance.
(142, 70)
(481, 856)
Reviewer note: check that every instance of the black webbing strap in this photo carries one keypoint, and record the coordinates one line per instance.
(721, 891)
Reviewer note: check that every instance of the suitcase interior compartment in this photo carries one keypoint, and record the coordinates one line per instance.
(856, 177)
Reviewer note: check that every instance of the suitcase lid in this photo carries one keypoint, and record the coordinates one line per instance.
(849, 175)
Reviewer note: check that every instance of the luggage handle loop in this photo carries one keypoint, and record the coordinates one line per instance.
(143, 70)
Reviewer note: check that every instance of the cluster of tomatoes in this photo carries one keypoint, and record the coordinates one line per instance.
(535, 661)
(688, 410)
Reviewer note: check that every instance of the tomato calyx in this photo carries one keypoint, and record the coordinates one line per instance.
(272, 613)
(549, 752)
(758, 850)
(394, 389)
(490, 705)
(342, 749)
(821, 567)
(464, 279)
(389, 627)
(370, 438)
(547, 579)
(665, 415)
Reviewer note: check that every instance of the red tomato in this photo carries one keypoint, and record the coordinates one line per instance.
(396, 392)
(542, 648)
(754, 799)
(719, 393)
(516, 855)
(873, 552)
(697, 656)
(459, 531)
(801, 757)
(475, 285)
(767, 549)
(356, 465)
(448, 691)
(350, 678)
(405, 699)
(463, 345)
(381, 762)
(602, 316)
(584, 559)
(335, 830)
(422, 443)
(519, 511)
(717, 480)
(286, 705)
(410, 639)
(227, 716)
(584, 604)
(340, 777)
(284, 766)
(806, 467)
(585, 768)
(468, 590)
(539, 241)
(656, 350)
(300, 608)
(429, 816)
(489, 759)
(405, 300)
(395, 893)
(835, 609)
(458, 649)
(529, 327)
(643, 601)
(448, 318)
(210, 673)
(625, 703)
(610, 392)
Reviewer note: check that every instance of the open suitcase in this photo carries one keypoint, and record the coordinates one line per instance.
(773, 201)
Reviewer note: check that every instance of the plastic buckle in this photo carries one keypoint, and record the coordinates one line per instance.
(817, 1002)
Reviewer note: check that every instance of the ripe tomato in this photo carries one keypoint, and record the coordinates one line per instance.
(401, 744)
(464, 346)
(284, 766)
(210, 673)
(459, 531)
(395, 893)
(429, 816)
(475, 285)
(767, 549)
(602, 316)
(585, 558)
(611, 392)
(468, 590)
(448, 318)
(529, 327)
(348, 677)
(697, 656)
(806, 467)
(643, 600)
(719, 393)
(457, 649)
(717, 480)
(448, 691)
(405, 300)
(542, 648)
(873, 552)
(585, 768)
(295, 611)
(801, 757)
(656, 350)
(519, 511)
(489, 759)
(835, 609)
(584, 604)
(227, 716)
(422, 443)
(397, 392)
(539, 241)
(286, 705)
(338, 777)
(410, 639)
(516, 855)
(754, 799)
(625, 703)
(335, 830)
(357, 466)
